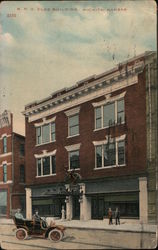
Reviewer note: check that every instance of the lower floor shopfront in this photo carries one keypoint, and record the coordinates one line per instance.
(9, 201)
(90, 199)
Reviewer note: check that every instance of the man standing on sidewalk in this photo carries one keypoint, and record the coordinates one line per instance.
(117, 216)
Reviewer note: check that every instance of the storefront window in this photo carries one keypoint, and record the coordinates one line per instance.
(3, 202)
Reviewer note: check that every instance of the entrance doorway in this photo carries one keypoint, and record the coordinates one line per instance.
(76, 207)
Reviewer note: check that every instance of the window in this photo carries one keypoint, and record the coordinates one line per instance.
(74, 162)
(121, 152)
(39, 137)
(110, 154)
(99, 156)
(120, 111)
(109, 114)
(22, 149)
(3, 202)
(74, 125)
(4, 144)
(5, 173)
(45, 133)
(22, 173)
(46, 166)
(53, 131)
(98, 117)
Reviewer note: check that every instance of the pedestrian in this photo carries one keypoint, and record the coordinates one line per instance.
(18, 214)
(110, 216)
(117, 216)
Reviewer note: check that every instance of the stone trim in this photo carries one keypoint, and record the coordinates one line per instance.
(45, 122)
(105, 89)
(105, 141)
(72, 111)
(109, 99)
(45, 154)
(73, 147)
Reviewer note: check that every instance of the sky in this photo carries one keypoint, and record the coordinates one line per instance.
(49, 45)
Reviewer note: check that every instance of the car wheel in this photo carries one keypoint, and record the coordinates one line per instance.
(55, 235)
(21, 234)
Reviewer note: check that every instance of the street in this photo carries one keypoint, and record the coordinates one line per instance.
(81, 238)
(71, 240)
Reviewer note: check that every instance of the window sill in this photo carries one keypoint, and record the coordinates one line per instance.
(70, 136)
(116, 124)
(37, 145)
(114, 166)
(73, 169)
(48, 175)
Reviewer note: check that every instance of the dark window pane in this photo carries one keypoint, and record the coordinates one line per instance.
(99, 156)
(73, 125)
(39, 172)
(121, 152)
(45, 133)
(22, 173)
(46, 165)
(53, 164)
(109, 154)
(22, 149)
(5, 144)
(38, 135)
(120, 111)
(53, 131)
(74, 159)
(98, 117)
(109, 114)
(4, 173)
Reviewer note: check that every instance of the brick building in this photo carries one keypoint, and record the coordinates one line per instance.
(103, 130)
(12, 167)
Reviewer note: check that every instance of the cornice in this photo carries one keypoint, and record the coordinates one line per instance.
(102, 89)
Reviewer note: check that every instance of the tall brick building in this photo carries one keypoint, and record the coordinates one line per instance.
(104, 129)
(12, 167)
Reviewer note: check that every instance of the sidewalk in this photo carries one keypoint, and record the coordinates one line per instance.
(126, 225)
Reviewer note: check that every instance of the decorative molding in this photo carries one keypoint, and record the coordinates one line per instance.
(2, 136)
(72, 111)
(7, 182)
(106, 89)
(73, 147)
(45, 154)
(117, 139)
(5, 154)
(45, 121)
(109, 99)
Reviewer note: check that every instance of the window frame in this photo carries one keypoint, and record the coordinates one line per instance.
(69, 128)
(40, 160)
(5, 173)
(22, 178)
(78, 168)
(40, 136)
(102, 145)
(4, 144)
(116, 122)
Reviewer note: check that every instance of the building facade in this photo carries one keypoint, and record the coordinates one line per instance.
(93, 146)
(12, 167)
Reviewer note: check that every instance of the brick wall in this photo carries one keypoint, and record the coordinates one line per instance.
(134, 128)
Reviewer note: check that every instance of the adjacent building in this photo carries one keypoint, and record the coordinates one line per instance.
(12, 167)
(93, 146)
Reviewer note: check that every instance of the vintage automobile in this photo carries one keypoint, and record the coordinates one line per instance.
(27, 228)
